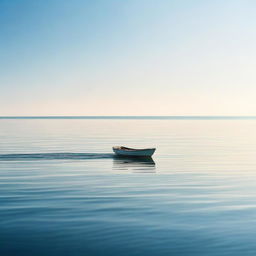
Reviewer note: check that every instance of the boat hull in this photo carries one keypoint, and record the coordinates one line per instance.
(134, 152)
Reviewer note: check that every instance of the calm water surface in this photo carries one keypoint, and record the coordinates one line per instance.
(63, 193)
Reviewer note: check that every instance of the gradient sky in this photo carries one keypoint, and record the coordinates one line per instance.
(130, 57)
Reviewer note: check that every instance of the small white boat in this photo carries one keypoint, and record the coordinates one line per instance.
(132, 152)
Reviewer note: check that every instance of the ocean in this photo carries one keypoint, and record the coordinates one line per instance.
(62, 191)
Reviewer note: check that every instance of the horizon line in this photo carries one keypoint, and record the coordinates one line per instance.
(132, 117)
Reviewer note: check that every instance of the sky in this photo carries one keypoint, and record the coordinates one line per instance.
(127, 57)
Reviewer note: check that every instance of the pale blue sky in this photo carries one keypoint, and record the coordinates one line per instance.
(181, 57)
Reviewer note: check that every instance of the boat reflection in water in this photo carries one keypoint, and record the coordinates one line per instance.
(134, 164)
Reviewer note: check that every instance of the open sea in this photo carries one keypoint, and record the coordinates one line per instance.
(63, 193)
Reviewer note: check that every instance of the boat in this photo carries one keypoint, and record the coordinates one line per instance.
(132, 152)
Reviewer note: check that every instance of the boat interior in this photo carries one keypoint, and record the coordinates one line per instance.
(130, 149)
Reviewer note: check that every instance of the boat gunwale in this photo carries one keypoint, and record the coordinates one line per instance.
(131, 149)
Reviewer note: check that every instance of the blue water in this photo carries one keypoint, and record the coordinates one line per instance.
(62, 191)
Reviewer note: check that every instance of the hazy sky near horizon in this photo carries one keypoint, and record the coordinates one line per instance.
(131, 57)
